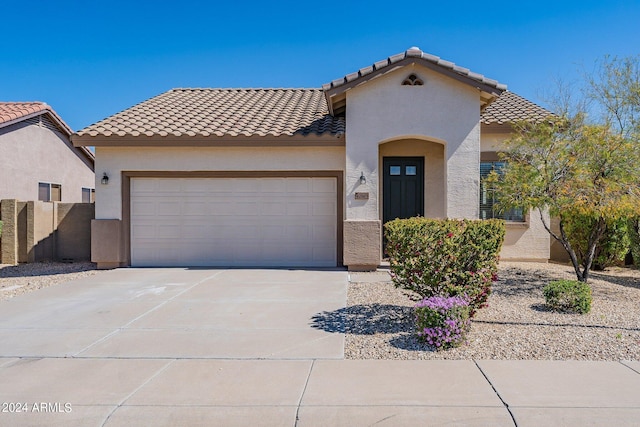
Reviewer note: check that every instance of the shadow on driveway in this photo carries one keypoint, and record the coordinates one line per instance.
(371, 319)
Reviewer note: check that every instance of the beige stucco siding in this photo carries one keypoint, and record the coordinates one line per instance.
(492, 141)
(30, 154)
(114, 160)
(443, 110)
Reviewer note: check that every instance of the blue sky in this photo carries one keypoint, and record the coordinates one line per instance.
(89, 60)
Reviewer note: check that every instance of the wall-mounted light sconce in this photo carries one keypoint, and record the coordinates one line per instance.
(363, 179)
(105, 179)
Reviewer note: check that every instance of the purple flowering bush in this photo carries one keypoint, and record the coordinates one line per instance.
(445, 257)
(442, 322)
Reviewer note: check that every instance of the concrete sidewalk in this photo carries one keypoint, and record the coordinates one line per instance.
(196, 392)
(181, 347)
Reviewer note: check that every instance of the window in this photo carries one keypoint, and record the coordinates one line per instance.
(48, 192)
(88, 195)
(488, 199)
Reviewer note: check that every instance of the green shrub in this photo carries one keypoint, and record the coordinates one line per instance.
(0, 228)
(436, 257)
(612, 247)
(442, 322)
(568, 295)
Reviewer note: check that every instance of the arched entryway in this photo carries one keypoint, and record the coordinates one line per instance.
(412, 179)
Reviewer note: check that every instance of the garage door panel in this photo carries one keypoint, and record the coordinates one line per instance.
(143, 232)
(274, 185)
(324, 186)
(322, 255)
(273, 208)
(143, 185)
(143, 207)
(169, 207)
(242, 185)
(317, 231)
(195, 208)
(168, 232)
(324, 208)
(274, 232)
(219, 206)
(233, 222)
(245, 207)
(299, 185)
(298, 208)
(298, 232)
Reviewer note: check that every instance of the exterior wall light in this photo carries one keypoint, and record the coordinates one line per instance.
(363, 179)
(105, 179)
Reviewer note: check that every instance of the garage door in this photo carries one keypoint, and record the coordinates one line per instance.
(234, 222)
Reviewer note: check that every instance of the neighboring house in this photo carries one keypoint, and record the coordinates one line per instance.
(37, 159)
(302, 177)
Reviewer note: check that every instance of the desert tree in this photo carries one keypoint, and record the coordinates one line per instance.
(583, 160)
(567, 166)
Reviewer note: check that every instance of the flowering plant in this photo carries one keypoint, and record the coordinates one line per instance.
(445, 257)
(443, 322)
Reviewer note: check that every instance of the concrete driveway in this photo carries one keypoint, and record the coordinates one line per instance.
(178, 313)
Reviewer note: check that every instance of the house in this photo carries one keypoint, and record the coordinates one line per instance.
(37, 157)
(302, 177)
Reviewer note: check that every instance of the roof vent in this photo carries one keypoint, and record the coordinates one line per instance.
(412, 80)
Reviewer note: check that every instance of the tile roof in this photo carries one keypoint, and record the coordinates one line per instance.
(416, 53)
(230, 113)
(12, 111)
(511, 108)
(222, 113)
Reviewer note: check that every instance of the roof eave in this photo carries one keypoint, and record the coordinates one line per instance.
(208, 141)
(495, 127)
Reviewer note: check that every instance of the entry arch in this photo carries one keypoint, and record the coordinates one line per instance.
(432, 150)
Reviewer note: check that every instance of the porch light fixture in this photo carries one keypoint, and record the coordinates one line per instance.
(105, 179)
(363, 179)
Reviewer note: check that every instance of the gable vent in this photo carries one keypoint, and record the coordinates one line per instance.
(412, 80)
(44, 122)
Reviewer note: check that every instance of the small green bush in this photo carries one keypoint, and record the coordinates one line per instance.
(568, 295)
(445, 257)
(442, 322)
(612, 247)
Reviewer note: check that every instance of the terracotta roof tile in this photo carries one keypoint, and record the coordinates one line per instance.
(415, 52)
(224, 113)
(10, 111)
(510, 108)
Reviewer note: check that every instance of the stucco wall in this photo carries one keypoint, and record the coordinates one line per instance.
(527, 241)
(443, 110)
(30, 154)
(114, 160)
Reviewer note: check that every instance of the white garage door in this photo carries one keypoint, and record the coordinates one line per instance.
(233, 222)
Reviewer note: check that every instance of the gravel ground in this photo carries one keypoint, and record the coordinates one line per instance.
(22, 278)
(516, 325)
